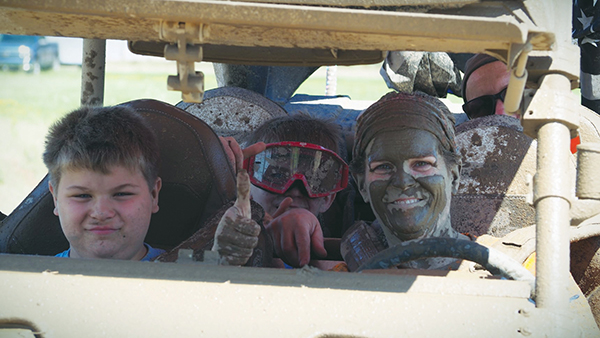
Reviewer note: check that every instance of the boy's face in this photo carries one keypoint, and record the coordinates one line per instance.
(271, 201)
(105, 216)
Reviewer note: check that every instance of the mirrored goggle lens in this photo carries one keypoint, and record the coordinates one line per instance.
(276, 168)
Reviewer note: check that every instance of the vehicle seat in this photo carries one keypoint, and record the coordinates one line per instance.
(197, 181)
(490, 201)
(497, 159)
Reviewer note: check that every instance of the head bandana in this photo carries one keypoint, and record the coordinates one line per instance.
(397, 111)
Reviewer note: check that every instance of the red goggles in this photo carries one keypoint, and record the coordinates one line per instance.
(321, 170)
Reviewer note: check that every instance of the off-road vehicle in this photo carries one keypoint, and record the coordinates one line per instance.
(55, 297)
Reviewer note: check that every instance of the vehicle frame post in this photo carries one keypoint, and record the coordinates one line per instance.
(553, 119)
(553, 190)
(93, 66)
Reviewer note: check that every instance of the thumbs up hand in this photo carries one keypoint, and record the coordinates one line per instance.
(237, 234)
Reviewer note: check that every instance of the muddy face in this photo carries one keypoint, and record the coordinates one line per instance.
(408, 184)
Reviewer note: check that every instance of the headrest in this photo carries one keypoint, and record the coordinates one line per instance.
(233, 111)
(497, 161)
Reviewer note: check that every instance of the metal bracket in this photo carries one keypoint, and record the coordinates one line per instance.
(517, 61)
(185, 52)
(550, 105)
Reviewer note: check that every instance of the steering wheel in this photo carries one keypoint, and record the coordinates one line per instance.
(493, 260)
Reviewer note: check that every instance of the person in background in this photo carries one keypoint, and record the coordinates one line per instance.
(484, 86)
(484, 89)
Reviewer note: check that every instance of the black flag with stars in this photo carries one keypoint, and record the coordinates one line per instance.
(586, 29)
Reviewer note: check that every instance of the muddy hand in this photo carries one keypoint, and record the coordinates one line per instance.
(237, 234)
(295, 232)
(243, 194)
(236, 154)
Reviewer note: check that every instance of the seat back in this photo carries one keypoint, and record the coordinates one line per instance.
(197, 180)
(233, 111)
(497, 161)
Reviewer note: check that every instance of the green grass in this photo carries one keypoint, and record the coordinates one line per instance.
(42, 97)
(30, 103)
(360, 83)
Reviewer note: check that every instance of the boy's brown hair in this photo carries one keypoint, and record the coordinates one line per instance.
(97, 138)
(299, 128)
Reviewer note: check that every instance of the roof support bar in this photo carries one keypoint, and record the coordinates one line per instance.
(93, 66)
(553, 121)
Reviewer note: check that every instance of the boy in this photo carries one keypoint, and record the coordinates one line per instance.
(294, 197)
(103, 165)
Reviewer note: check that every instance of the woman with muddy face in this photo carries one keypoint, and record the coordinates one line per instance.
(406, 166)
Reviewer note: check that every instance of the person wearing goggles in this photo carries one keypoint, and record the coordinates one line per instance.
(484, 86)
(295, 180)
(321, 171)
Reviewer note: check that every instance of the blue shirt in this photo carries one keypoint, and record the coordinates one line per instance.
(152, 253)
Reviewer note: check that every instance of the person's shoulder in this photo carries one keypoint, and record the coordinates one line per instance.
(64, 253)
(152, 253)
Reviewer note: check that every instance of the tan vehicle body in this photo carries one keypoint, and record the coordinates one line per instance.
(54, 297)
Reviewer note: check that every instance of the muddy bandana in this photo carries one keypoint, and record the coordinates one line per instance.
(396, 111)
